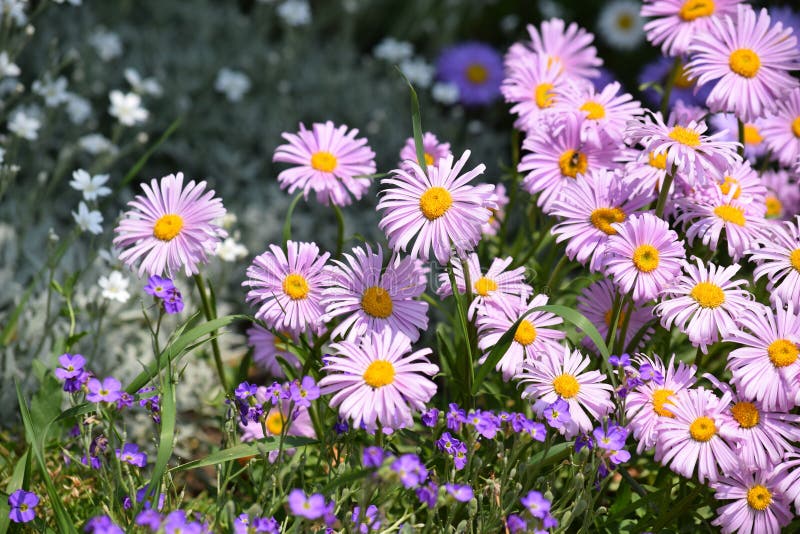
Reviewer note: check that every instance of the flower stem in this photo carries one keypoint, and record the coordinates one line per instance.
(662, 195)
(740, 150)
(673, 75)
(211, 314)
(468, 366)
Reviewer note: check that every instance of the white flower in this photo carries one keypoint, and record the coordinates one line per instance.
(418, 71)
(392, 50)
(88, 220)
(15, 10)
(24, 125)
(232, 83)
(295, 12)
(78, 108)
(2, 155)
(620, 24)
(107, 44)
(96, 144)
(91, 186)
(127, 108)
(8, 69)
(230, 250)
(445, 93)
(143, 86)
(115, 287)
(54, 92)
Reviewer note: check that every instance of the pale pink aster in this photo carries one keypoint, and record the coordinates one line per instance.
(328, 160)
(745, 184)
(532, 339)
(694, 437)
(170, 227)
(759, 505)
(781, 129)
(755, 144)
(645, 169)
(651, 402)
(789, 473)
(748, 58)
(569, 47)
(596, 303)
(564, 375)
(589, 206)
(378, 381)
(433, 150)
(438, 211)
(496, 285)
(783, 195)
(704, 302)
(778, 257)
(532, 85)
(287, 286)
(268, 347)
(371, 298)
(644, 257)
(765, 364)
(676, 22)
(492, 226)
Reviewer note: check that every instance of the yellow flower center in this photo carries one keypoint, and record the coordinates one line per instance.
(379, 373)
(794, 258)
(746, 414)
(694, 9)
(595, 110)
(477, 73)
(323, 161)
(279, 344)
(730, 214)
(603, 217)
(526, 333)
(702, 428)
(167, 227)
(708, 295)
(566, 386)
(659, 161)
(744, 62)
(685, 136)
(730, 182)
(376, 302)
(435, 202)
(682, 80)
(660, 398)
(428, 158)
(751, 135)
(543, 95)
(295, 286)
(774, 206)
(796, 126)
(625, 21)
(572, 162)
(275, 423)
(759, 498)
(782, 352)
(645, 258)
(484, 286)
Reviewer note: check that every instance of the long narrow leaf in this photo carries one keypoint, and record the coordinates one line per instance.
(245, 450)
(149, 152)
(166, 437)
(581, 322)
(287, 225)
(497, 353)
(416, 124)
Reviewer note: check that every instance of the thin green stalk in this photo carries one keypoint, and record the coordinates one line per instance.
(616, 310)
(623, 331)
(556, 272)
(740, 150)
(468, 365)
(211, 314)
(664, 193)
(673, 75)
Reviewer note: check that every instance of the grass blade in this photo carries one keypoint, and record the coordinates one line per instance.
(149, 152)
(287, 225)
(245, 450)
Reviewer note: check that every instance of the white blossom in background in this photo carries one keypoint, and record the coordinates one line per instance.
(54, 92)
(143, 86)
(229, 250)
(110, 257)
(621, 25)
(418, 71)
(15, 10)
(445, 93)
(226, 221)
(88, 220)
(79, 109)
(96, 144)
(2, 155)
(71, 2)
(551, 9)
(115, 287)
(295, 12)
(393, 50)
(24, 125)
(8, 69)
(92, 187)
(107, 44)
(232, 83)
(127, 108)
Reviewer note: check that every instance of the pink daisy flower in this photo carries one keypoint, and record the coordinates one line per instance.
(644, 256)
(557, 155)
(569, 47)
(532, 85)
(789, 478)
(287, 287)
(492, 226)
(704, 302)
(596, 303)
(765, 366)
(651, 402)
(676, 22)
(532, 338)
(783, 195)
(329, 161)
(758, 506)
(755, 145)
(781, 128)
(748, 59)
(437, 211)
(563, 375)
(590, 205)
(373, 298)
(644, 168)
(434, 151)
(496, 285)
(377, 382)
(267, 348)
(743, 183)
(694, 436)
(778, 258)
(170, 227)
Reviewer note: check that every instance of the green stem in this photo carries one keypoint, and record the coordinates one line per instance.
(210, 314)
(556, 272)
(673, 75)
(468, 365)
(664, 193)
(623, 331)
(616, 310)
(740, 150)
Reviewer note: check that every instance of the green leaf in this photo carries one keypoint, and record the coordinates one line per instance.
(497, 353)
(46, 403)
(287, 225)
(245, 450)
(75, 411)
(581, 322)
(416, 124)
(166, 437)
(149, 152)
(553, 455)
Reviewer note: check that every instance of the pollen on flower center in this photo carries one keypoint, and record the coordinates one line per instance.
(435, 202)
(759, 498)
(730, 183)
(660, 398)
(428, 158)
(603, 217)
(484, 286)
(685, 136)
(625, 21)
(323, 161)
(774, 207)
(702, 428)
(659, 161)
(168, 227)
(379, 373)
(543, 95)
(377, 302)
(295, 286)
(682, 80)
(477, 73)
(796, 126)
(572, 162)
(526, 333)
(795, 259)
(566, 386)
(744, 62)
(275, 423)
(645, 258)
(746, 414)
(730, 214)
(708, 295)
(782, 352)
(595, 110)
(751, 135)
(694, 9)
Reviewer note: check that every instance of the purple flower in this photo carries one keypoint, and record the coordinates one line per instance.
(130, 454)
(485, 423)
(428, 494)
(455, 417)
(516, 524)
(274, 393)
(142, 492)
(266, 524)
(461, 493)
(74, 384)
(536, 504)
(249, 407)
(158, 287)
(517, 421)
(312, 507)
(371, 519)
(447, 442)
(475, 68)
(372, 457)
(430, 417)
(149, 518)
(647, 373)
(71, 366)
(245, 390)
(536, 430)
(241, 524)
(102, 525)
(411, 470)
(460, 456)
(23, 506)
(549, 521)
(583, 442)
(93, 462)
(110, 390)
(173, 302)
(177, 523)
(557, 414)
(623, 360)
(150, 403)
(303, 392)
(619, 456)
(125, 400)
(612, 438)
(341, 426)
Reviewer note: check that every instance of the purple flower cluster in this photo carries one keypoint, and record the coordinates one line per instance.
(97, 447)
(372, 520)
(164, 290)
(455, 448)
(102, 524)
(251, 400)
(109, 390)
(460, 492)
(610, 446)
(558, 417)
(486, 423)
(411, 470)
(244, 524)
(175, 521)
(311, 506)
(631, 377)
(22, 506)
(539, 507)
(130, 454)
(151, 403)
(72, 372)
